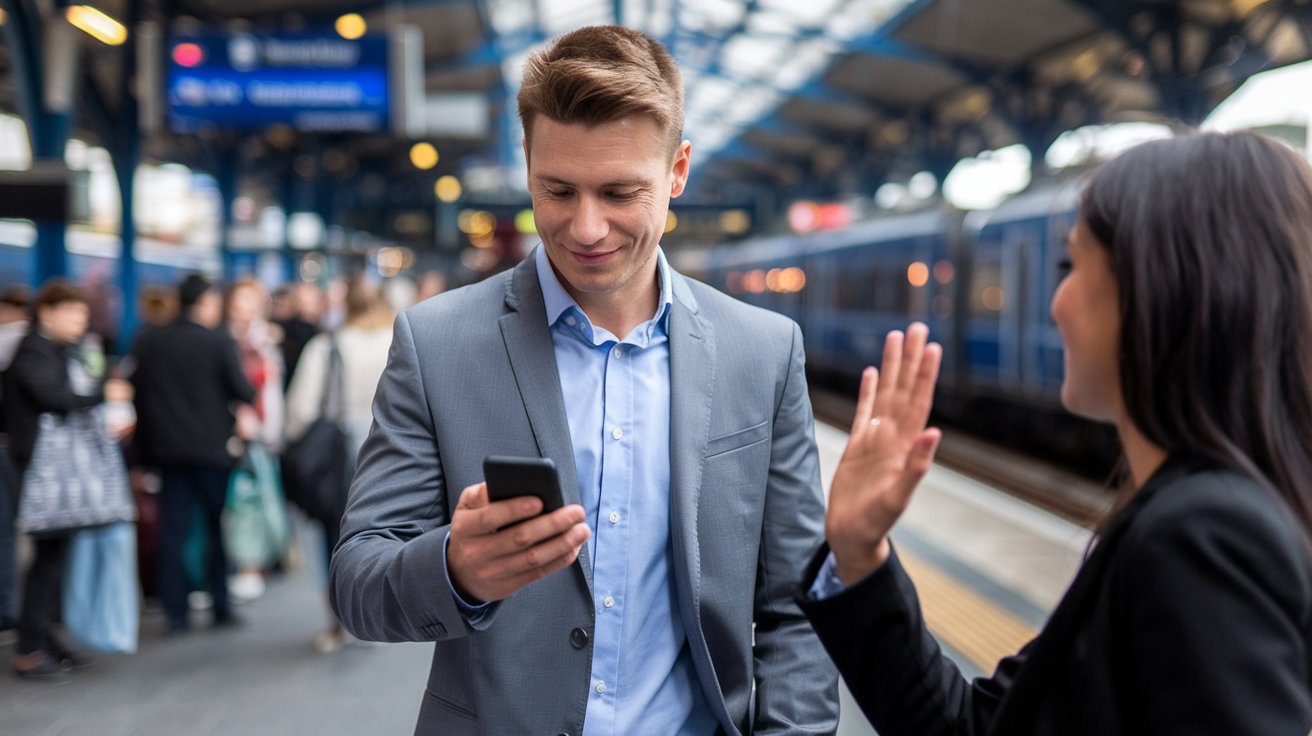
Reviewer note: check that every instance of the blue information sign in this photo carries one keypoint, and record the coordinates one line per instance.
(250, 81)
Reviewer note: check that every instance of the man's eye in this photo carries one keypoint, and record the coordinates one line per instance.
(1063, 268)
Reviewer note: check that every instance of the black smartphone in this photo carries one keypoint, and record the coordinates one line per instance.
(510, 477)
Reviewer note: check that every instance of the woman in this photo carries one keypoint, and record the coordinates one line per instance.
(1187, 323)
(246, 306)
(36, 382)
(362, 345)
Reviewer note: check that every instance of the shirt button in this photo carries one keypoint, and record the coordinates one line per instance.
(571, 321)
(618, 352)
(601, 687)
(617, 433)
(614, 517)
(608, 601)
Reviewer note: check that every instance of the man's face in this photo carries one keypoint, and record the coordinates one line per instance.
(600, 198)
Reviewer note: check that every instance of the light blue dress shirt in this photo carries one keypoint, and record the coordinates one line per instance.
(617, 399)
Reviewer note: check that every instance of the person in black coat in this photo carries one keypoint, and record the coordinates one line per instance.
(1187, 322)
(187, 380)
(37, 381)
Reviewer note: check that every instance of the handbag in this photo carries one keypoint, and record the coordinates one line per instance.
(315, 467)
(101, 595)
(76, 477)
(256, 529)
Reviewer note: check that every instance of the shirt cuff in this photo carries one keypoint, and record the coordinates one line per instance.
(827, 584)
(473, 614)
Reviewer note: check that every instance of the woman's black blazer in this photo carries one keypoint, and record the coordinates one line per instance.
(1192, 615)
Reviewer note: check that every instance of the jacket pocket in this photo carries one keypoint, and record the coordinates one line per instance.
(738, 440)
(455, 708)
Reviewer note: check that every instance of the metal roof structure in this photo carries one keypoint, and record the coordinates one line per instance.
(784, 98)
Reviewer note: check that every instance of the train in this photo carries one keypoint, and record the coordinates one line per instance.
(981, 280)
(94, 255)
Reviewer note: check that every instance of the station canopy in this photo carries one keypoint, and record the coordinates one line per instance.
(827, 96)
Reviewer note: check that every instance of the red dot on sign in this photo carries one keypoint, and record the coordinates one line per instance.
(187, 54)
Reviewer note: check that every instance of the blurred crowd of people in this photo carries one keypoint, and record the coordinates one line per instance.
(219, 383)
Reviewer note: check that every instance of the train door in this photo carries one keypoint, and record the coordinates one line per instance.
(1016, 243)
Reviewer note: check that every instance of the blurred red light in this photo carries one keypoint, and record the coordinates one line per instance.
(188, 54)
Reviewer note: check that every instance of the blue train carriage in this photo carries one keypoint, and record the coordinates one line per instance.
(1010, 343)
(877, 276)
(94, 255)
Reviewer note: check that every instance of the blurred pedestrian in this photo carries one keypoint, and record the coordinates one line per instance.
(1186, 319)
(305, 307)
(360, 346)
(38, 381)
(13, 327)
(246, 311)
(188, 381)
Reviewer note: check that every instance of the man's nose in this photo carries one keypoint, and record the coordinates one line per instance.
(589, 224)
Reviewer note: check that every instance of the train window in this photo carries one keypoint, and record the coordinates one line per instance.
(855, 289)
(987, 298)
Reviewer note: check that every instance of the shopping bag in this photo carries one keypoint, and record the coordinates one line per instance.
(101, 596)
(255, 524)
(76, 477)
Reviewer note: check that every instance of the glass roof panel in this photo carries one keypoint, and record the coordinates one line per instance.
(711, 15)
(809, 13)
(750, 56)
(560, 16)
(511, 16)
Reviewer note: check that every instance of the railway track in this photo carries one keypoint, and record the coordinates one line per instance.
(1059, 491)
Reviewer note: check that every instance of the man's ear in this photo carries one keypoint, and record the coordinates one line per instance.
(679, 169)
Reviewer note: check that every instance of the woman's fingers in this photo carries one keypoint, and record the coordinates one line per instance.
(865, 403)
(913, 351)
(922, 391)
(919, 460)
(889, 373)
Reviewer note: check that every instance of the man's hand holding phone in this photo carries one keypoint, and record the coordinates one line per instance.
(498, 547)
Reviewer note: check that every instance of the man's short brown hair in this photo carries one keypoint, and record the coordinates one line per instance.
(57, 291)
(601, 74)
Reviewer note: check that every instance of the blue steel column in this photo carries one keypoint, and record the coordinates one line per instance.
(226, 173)
(289, 190)
(47, 130)
(127, 154)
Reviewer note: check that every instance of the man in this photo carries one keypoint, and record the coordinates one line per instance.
(659, 599)
(187, 379)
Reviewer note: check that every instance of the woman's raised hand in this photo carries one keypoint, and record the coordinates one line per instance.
(887, 454)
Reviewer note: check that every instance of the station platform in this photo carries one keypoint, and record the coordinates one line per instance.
(989, 568)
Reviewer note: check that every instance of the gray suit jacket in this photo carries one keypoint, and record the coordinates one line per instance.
(472, 373)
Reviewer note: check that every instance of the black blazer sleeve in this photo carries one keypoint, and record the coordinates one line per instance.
(41, 374)
(1212, 587)
(894, 668)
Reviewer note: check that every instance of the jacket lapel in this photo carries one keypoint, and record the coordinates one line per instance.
(692, 376)
(533, 360)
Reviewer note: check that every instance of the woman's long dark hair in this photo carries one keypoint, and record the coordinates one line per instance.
(1211, 245)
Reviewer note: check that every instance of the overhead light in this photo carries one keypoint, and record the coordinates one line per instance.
(3, 17)
(447, 189)
(423, 155)
(351, 26)
(96, 24)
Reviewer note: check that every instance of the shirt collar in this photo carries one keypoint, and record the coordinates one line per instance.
(558, 301)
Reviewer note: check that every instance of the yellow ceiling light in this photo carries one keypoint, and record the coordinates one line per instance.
(447, 189)
(351, 26)
(423, 155)
(96, 24)
(3, 17)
